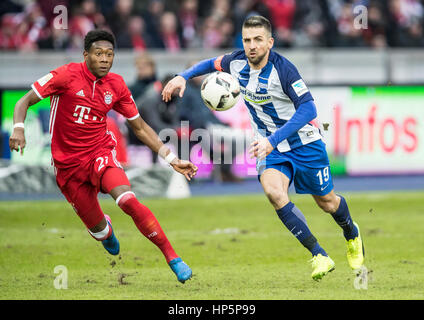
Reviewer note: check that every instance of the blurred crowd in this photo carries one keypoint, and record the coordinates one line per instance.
(172, 25)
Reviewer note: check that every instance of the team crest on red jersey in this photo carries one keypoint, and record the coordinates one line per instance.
(108, 97)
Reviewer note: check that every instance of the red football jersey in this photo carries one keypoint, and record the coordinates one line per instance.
(79, 103)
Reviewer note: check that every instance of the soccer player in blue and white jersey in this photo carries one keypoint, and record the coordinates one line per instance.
(289, 147)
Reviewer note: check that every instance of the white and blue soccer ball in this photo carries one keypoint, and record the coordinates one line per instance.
(220, 91)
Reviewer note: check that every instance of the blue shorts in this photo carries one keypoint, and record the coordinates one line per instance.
(307, 166)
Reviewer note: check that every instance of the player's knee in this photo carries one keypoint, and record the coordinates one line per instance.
(276, 196)
(328, 205)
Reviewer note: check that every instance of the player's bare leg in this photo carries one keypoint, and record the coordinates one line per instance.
(275, 185)
(336, 205)
(148, 225)
(329, 203)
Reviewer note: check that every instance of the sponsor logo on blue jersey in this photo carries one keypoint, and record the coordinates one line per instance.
(255, 97)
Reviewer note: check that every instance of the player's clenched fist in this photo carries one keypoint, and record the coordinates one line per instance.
(17, 140)
(176, 83)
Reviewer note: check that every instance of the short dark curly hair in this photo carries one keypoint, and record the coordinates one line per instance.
(257, 22)
(98, 35)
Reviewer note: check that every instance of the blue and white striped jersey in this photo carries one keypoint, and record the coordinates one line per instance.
(272, 95)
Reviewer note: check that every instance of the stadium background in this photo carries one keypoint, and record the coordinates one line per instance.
(368, 84)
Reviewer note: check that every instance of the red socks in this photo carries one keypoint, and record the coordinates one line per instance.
(146, 222)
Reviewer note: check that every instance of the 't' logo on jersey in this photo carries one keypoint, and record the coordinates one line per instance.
(83, 113)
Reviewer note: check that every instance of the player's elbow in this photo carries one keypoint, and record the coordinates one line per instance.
(23, 104)
(310, 109)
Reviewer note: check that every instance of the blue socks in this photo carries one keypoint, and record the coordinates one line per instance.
(344, 220)
(295, 221)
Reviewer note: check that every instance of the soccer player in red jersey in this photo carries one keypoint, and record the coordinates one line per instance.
(83, 150)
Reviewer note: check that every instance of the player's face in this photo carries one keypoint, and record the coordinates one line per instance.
(99, 58)
(257, 42)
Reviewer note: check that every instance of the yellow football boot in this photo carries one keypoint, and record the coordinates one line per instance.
(355, 251)
(321, 265)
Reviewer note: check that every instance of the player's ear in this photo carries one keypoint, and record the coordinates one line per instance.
(271, 42)
(85, 54)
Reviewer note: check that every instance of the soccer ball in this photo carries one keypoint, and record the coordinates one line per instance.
(220, 91)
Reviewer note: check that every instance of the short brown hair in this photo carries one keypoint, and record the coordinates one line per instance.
(257, 22)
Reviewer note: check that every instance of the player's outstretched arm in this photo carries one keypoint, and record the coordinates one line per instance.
(17, 139)
(179, 82)
(149, 137)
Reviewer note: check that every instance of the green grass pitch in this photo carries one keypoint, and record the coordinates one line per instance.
(236, 246)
